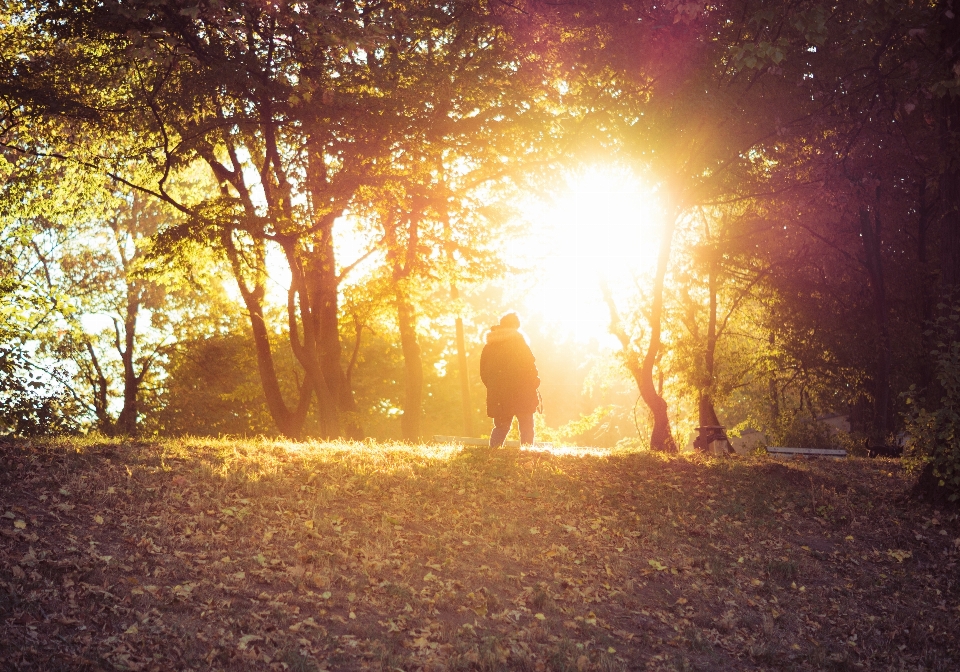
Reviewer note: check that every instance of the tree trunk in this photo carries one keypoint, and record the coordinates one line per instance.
(101, 392)
(307, 351)
(127, 420)
(772, 385)
(463, 371)
(661, 438)
(324, 289)
(289, 423)
(412, 370)
(926, 288)
(630, 356)
(872, 246)
(707, 411)
(708, 416)
(949, 112)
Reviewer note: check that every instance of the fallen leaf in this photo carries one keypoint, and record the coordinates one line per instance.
(899, 555)
(244, 641)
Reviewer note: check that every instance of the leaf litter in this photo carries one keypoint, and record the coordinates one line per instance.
(216, 554)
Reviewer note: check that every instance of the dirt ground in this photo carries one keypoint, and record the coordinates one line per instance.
(257, 555)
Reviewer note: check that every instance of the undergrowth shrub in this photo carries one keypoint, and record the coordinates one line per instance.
(800, 430)
(933, 425)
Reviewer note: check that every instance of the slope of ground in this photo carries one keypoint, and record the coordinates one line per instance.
(247, 555)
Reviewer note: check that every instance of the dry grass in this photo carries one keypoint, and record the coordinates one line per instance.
(259, 555)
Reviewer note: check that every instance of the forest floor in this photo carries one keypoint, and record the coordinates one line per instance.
(206, 554)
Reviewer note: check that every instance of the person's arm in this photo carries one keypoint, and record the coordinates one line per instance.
(532, 374)
(485, 366)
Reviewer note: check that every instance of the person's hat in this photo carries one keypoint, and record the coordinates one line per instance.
(511, 320)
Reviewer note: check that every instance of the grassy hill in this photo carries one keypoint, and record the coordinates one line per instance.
(259, 555)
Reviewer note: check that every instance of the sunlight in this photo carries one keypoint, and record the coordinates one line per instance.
(604, 226)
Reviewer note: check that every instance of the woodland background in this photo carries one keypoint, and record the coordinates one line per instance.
(174, 174)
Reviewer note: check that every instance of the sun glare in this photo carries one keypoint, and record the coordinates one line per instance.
(604, 226)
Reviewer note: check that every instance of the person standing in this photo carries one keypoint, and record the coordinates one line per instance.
(509, 373)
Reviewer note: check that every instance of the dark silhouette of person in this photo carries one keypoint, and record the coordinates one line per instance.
(509, 373)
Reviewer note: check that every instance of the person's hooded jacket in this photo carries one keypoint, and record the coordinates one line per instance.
(508, 370)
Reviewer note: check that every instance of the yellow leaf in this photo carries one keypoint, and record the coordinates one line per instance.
(308, 524)
(20, 524)
(540, 617)
(132, 630)
(899, 555)
(352, 615)
(657, 565)
(327, 595)
(480, 611)
(610, 649)
(534, 530)
(98, 519)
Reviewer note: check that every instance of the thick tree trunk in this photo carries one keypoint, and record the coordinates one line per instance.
(307, 351)
(661, 438)
(872, 247)
(412, 369)
(324, 289)
(289, 423)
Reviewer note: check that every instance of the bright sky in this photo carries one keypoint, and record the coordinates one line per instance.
(606, 223)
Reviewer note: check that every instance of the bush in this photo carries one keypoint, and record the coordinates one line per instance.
(933, 446)
(29, 404)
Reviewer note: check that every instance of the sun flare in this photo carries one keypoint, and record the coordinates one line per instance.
(603, 226)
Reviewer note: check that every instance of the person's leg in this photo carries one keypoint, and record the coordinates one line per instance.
(501, 427)
(525, 420)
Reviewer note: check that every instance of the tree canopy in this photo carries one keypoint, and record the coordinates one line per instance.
(330, 193)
